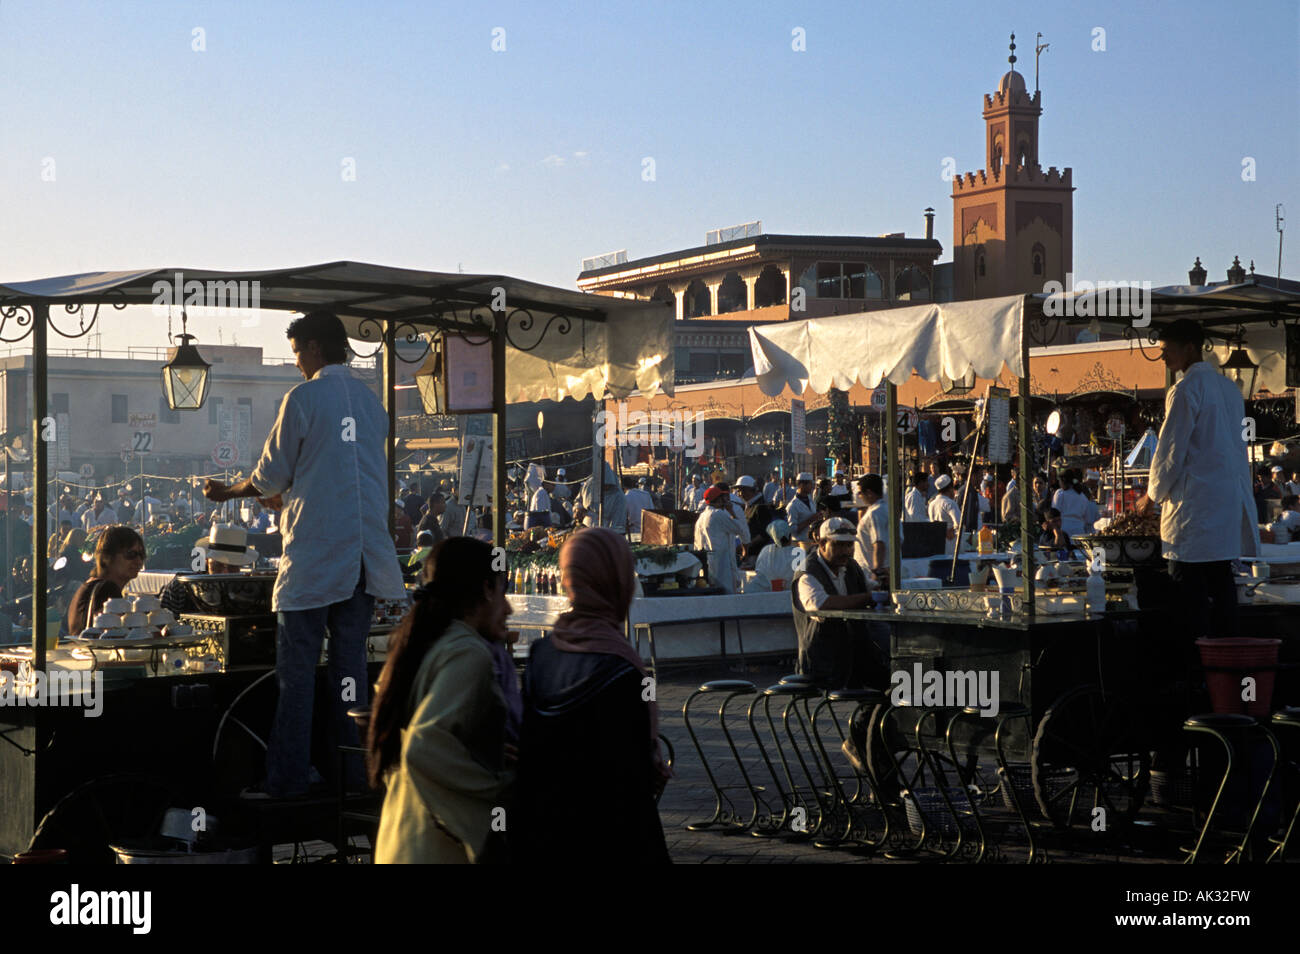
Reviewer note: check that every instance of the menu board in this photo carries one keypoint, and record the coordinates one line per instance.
(998, 409)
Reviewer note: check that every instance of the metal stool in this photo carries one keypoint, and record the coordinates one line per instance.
(969, 786)
(1219, 725)
(1290, 719)
(792, 795)
(727, 817)
(855, 831)
(1005, 715)
(356, 808)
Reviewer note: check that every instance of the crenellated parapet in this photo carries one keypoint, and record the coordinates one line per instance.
(1015, 176)
(1014, 98)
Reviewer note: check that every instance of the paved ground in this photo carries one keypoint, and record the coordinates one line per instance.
(689, 797)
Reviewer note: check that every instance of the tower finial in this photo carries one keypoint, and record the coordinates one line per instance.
(1012, 58)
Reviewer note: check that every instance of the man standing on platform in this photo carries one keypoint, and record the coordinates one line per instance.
(324, 468)
(1200, 477)
(914, 505)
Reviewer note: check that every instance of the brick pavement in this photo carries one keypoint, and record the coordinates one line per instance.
(689, 797)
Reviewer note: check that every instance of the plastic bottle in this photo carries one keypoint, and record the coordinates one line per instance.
(986, 539)
(1096, 588)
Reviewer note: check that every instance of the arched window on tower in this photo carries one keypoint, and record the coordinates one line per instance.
(997, 155)
(1038, 257)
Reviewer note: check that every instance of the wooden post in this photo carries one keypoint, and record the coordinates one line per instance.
(895, 499)
(40, 480)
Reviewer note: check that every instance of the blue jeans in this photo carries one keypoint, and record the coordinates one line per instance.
(297, 647)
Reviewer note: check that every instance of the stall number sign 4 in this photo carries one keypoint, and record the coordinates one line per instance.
(142, 442)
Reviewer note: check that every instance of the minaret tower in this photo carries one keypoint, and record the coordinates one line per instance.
(1012, 223)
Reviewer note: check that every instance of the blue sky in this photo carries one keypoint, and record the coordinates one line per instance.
(525, 160)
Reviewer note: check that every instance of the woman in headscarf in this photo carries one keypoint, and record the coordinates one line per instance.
(438, 737)
(779, 559)
(589, 762)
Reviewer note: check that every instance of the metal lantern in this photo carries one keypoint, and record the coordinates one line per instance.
(428, 380)
(962, 385)
(1244, 371)
(185, 376)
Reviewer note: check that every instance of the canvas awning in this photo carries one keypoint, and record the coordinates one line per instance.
(934, 341)
(560, 343)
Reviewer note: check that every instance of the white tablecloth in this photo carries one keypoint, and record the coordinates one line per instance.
(541, 611)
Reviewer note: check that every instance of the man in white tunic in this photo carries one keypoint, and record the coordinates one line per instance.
(716, 531)
(943, 509)
(871, 548)
(799, 512)
(1200, 477)
(638, 499)
(915, 509)
(324, 468)
(780, 559)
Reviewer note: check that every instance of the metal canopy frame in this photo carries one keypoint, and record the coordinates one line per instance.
(375, 302)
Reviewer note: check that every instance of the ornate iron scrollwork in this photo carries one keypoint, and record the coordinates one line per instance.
(526, 321)
(78, 308)
(22, 316)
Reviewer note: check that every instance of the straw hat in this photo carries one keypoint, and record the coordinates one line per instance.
(227, 544)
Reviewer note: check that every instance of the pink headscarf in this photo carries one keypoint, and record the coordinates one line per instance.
(597, 563)
(597, 566)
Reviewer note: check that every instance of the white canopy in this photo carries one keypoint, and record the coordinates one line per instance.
(935, 341)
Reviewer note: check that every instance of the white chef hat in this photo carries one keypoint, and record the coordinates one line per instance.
(942, 482)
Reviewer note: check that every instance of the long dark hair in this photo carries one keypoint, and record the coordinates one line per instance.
(116, 539)
(454, 575)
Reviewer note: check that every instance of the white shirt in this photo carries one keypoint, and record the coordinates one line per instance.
(944, 510)
(637, 500)
(106, 518)
(1200, 473)
(812, 594)
(716, 531)
(873, 528)
(914, 508)
(1286, 527)
(1292, 486)
(561, 491)
(325, 455)
(541, 500)
(776, 562)
(796, 513)
(1078, 513)
(769, 492)
(690, 497)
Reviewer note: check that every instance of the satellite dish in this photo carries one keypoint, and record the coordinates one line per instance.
(1053, 422)
(60, 563)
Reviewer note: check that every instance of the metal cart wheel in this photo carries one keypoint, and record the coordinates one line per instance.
(1088, 753)
(105, 811)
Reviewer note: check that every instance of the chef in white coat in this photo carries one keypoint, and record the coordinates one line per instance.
(1200, 477)
(943, 509)
(716, 530)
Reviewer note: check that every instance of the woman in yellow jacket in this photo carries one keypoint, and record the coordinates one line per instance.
(438, 724)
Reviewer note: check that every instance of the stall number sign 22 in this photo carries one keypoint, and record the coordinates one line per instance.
(142, 442)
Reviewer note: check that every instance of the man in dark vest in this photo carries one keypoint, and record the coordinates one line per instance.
(839, 653)
(835, 653)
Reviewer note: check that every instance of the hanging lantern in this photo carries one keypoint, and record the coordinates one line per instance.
(962, 385)
(185, 377)
(428, 380)
(1243, 370)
